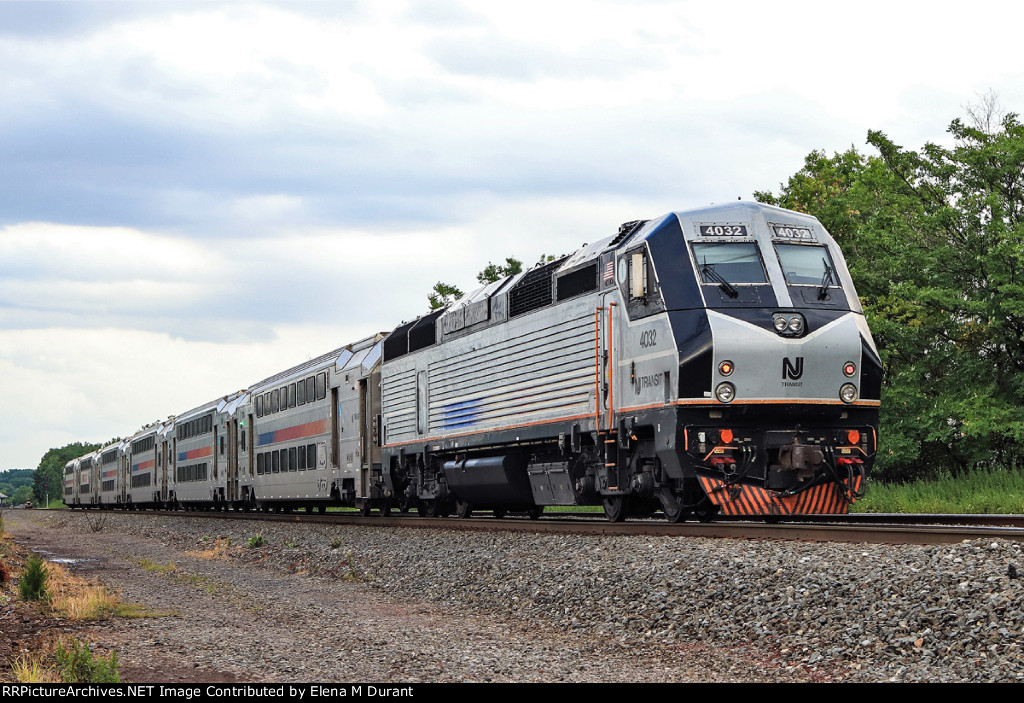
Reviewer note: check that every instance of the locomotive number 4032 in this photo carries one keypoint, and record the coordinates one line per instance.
(724, 231)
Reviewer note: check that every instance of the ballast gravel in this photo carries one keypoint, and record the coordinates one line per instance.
(342, 603)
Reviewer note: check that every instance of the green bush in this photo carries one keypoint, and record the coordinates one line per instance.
(32, 584)
(78, 665)
(256, 541)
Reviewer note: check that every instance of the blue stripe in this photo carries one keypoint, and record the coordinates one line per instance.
(459, 415)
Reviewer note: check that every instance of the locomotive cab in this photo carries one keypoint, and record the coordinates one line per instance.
(778, 376)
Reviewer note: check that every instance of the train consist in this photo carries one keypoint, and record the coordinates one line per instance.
(709, 361)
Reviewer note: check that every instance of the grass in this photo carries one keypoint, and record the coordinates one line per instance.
(66, 661)
(77, 599)
(221, 549)
(157, 567)
(980, 492)
(31, 669)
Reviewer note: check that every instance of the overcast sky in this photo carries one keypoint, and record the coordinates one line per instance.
(194, 196)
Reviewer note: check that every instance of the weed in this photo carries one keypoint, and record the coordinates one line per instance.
(77, 664)
(256, 541)
(150, 565)
(133, 611)
(77, 599)
(32, 584)
(28, 669)
(56, 660)
(352, 574)
(94, 603)
(290, 544)
(336, 543)
(221, 549)
(96, 519)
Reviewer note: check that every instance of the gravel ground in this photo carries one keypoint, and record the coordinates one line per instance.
(318, 603)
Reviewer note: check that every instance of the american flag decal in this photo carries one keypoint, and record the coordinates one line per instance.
(609, 272)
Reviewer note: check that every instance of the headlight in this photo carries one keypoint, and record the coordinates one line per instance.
(790, 324)
(848, 393)
(725, 392)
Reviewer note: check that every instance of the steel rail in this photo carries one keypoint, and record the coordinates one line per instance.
(892, 532)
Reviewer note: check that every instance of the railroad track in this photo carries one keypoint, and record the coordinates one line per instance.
(857, 528)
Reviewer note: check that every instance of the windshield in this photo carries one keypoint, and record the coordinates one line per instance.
(735, 262)
(805, 265)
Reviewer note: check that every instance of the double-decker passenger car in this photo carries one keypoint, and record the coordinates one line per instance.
(312, 429)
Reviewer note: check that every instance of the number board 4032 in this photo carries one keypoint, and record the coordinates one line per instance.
(793, 234)
(724, 231)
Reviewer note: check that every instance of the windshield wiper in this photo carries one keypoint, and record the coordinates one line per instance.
(709, 271)
(826, 281)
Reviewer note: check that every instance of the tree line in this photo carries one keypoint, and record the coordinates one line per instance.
(934, 239)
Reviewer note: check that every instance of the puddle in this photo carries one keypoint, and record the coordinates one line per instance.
(49, 556)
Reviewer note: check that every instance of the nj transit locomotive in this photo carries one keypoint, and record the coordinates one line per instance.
(715, 360)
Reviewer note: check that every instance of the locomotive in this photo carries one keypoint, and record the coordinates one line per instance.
(709, 361)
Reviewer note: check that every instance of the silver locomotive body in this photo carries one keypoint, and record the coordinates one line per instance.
(711, 360)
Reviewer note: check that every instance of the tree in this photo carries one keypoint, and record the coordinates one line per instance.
(21, 495)
(935, 241)
(495, 272)
(445, 294)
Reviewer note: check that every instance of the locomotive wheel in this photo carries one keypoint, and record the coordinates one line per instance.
(321, 509)
(463, 509)
(670, 505)
(534, 512)
(499, 513)
(615, 508)
(427, 508)
(385, 507)
(364, 508)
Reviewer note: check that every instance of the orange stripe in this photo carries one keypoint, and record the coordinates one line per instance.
(753, 500)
